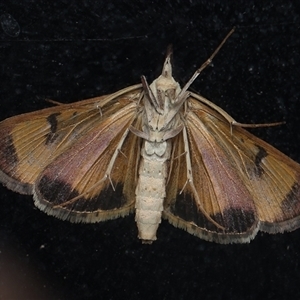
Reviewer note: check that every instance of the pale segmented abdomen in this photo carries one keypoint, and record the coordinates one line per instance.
(151, 189)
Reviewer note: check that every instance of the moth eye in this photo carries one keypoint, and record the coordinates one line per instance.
(150, 127)
(160, 93)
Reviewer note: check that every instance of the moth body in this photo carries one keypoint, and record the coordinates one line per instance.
(158, 149)
(151, 188)
(158, 129)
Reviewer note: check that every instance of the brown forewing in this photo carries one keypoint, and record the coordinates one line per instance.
(31, 141)
(243, 183)
(63, 152)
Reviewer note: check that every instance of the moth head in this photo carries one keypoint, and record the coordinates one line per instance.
(165, 88)
(162, 120)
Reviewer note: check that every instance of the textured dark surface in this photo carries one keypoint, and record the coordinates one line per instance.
(72, 50)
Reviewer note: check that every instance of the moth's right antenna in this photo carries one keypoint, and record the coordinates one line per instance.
(205, 64)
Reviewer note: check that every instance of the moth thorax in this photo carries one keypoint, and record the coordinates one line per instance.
(165, 88)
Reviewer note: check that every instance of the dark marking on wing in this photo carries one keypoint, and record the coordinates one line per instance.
(236, 220)
(59, 193)
(261, 154)
(9, 156)
(55, 192)
(291, 201)
(232, 219)
(288, 219)
(52, 120)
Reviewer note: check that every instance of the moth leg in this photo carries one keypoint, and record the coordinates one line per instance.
(190, 180)
(57, 103)
(109, 167)
(171, 164)
(188, 161)
(100, 110)
(116, 153)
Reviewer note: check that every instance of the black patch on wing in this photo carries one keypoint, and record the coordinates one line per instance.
(288, 219)
(58, 193)
(111, 199)
(232, 219)
(291, 201)
(261, 154)
(52, 120)
(8, 154)
(55, 192)
(8, 166)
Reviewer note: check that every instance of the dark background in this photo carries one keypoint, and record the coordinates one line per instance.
(72, 50)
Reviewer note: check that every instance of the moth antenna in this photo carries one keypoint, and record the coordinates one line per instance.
(206, 63)
(151, 97)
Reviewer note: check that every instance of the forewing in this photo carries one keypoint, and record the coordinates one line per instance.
(63, 151)
(243, 183)
(93, 180)
(31, 141)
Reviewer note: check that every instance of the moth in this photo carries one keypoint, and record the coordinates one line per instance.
(159, 150)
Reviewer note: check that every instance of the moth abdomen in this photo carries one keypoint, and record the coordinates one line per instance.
(150, 192)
